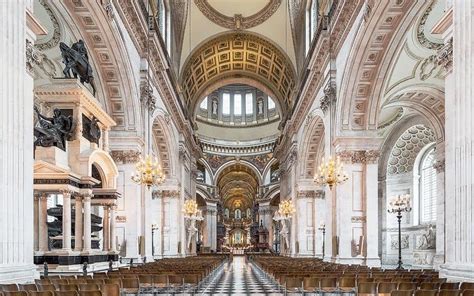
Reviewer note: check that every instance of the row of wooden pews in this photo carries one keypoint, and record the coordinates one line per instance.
(172, 275)
(315, 276)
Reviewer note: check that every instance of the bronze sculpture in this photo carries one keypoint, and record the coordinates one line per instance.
(53, 131)
(76, 60)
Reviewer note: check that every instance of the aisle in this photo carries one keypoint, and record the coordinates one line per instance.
(240, 278)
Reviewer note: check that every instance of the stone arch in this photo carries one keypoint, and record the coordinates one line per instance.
(240, 54)
(427, 101)
(313, 146)
(242, 162)
(164, 143)
(104, 163)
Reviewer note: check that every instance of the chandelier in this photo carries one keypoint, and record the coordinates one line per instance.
(286, 209)
(190, 210)
(331, 173)
(399, 204)
(148, 172)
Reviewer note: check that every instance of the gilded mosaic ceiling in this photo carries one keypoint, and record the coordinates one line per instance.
(238, 55)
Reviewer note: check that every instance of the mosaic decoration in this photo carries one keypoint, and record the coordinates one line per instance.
(407, 147)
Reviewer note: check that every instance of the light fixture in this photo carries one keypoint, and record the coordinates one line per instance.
(148, 172)
(191, 211)
(331, 173)
(286, 209)
(398, 205)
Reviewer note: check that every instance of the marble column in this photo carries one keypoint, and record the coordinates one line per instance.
(35, 219)
(372, 211)
(87, 222)
(16, 147)
(459, 87)
(113, 238)
(211, 226)
(106, 229)
(78, 222)
(66, 220)
(42, 223)
(265, 214)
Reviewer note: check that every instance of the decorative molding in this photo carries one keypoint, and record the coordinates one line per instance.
(394, 241)
(420, 30)
(445, 56)
(121, 219)
(358, 219)
(391, 121)
(125, 156)
(310, 194)
(361, 156)
(32, 56)
(237, 22)
(146, 96)
(165, 194)
(329, 97)
(440, 166)
(54, 40)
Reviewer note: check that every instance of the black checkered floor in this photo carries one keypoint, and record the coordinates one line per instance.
(240, 278)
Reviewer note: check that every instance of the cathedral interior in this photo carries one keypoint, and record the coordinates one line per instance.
(237, 147)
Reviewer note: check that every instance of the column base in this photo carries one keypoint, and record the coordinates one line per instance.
(373, 262)
(18, 273)
(73, 258)
(457, 272)
(350, 260)
(438, 260)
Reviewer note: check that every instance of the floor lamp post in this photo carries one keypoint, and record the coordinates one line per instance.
(398, 205)
(322, 227)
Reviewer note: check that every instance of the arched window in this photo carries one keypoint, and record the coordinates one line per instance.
(427, 186)
(203, 104)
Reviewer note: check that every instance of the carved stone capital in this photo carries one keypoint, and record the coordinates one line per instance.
(33, 56)
(87, 197)
(146, 96)
(125, 156)
(67, 193)
(329, 97)
(439, 166)
(445, 56)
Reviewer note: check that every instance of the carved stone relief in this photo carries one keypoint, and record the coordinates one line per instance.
(394, 241)
(237, 22)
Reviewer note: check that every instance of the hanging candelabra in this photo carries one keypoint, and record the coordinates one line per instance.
(191, 211)
(331, 173)
(398, 205)
(286, 209)
(148, 172)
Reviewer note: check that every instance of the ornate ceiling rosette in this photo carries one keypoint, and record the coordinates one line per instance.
(237, 21)
(238, 55)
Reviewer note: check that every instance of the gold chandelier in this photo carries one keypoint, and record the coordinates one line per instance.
(148, 172)
(190, 209)
(286, 209)
(331, 173)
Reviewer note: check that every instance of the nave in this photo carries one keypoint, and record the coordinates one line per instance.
(240, 277)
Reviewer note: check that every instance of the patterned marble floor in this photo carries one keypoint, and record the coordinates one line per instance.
(240, 278)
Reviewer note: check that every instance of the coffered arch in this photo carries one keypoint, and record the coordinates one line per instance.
(313, 146)
(238, 55)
